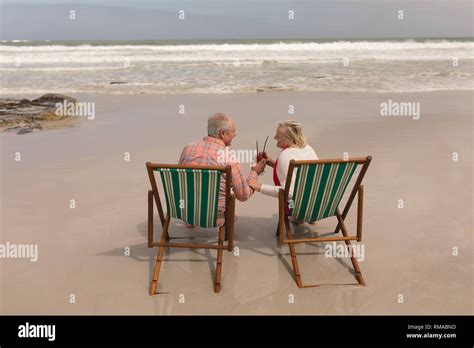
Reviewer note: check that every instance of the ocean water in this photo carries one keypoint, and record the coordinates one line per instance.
(156, 67)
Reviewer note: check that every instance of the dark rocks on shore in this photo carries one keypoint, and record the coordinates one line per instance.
(25, 116)
(273, 88)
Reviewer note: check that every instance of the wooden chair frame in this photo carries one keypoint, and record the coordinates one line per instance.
(284, 224)
(226, 231)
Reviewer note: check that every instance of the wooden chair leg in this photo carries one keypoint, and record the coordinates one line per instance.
(159, 256)
(360, 210)
(230, 236)
(217, 283)
(167, 222)
(281, 216)
(294, 260)
(355, 264)
(150, 218)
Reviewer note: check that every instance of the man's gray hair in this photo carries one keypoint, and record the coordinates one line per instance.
(217, 122)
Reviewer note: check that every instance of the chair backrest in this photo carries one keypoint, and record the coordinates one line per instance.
(191, 192)
(320, 186)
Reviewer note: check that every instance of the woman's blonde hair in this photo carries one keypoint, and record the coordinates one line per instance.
(294, 132)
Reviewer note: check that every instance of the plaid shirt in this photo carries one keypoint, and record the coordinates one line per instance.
(211, 151)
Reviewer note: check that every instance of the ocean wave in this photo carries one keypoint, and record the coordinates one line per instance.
(236, 68)
(282, 46)
(66, 68)
(259, 59)
(242, 53)
(15, 41)
(134, 89)
(441, 74)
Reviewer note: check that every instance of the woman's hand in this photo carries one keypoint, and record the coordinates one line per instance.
(254, 184)
(263, 155)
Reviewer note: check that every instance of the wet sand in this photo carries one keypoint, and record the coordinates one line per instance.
(408, 251)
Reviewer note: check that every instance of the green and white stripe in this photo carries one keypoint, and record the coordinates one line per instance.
(319, 189)
(192, 195)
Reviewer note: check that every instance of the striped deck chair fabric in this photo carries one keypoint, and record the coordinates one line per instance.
(319, 189)
(192, 195)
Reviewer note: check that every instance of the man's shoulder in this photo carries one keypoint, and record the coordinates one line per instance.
(193, 144)
(196, 142)
(199, 152)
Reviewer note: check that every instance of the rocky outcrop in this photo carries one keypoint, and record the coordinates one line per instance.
(24, 116)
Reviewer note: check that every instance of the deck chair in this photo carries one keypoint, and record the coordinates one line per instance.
(191, 194)
(319, 187)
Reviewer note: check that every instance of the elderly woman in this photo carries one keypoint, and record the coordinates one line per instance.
(290, 138)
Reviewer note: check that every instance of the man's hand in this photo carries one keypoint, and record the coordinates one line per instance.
(253, 183)
(260, 166)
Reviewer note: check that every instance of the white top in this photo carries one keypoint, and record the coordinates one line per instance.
(283, 162)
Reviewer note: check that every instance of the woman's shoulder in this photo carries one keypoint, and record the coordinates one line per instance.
(306, 152)
(297, 153)
(306, 148)
(311, 152)
(310, 149)
(285, 156)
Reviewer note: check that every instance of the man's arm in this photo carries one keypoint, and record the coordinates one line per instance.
(242, 190)
(239, 183)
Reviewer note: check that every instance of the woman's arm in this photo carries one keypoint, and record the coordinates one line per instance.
(282, 169)
(270, 190)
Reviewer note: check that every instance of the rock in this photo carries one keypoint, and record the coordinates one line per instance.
(52, 99)
(273, 88)
(32, 127)
(22, 115)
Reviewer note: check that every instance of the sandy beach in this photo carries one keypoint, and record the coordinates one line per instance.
(84, 251)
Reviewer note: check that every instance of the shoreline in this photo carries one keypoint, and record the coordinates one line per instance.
(73, 94)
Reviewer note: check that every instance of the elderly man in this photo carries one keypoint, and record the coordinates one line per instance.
(211, 150)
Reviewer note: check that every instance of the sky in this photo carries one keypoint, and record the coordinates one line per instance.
(233, 19)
